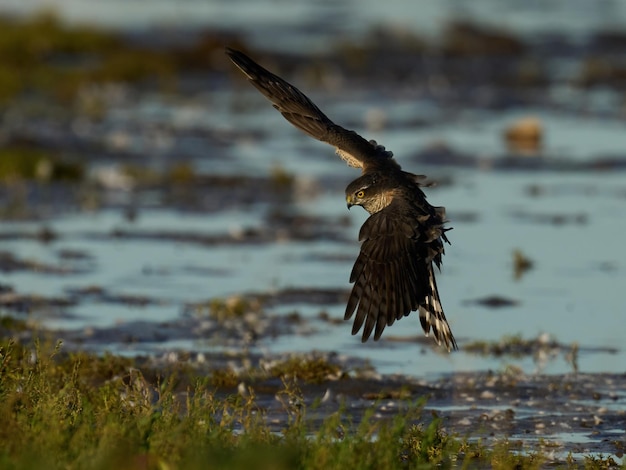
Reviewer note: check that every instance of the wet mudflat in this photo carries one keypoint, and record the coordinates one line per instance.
(196, 225)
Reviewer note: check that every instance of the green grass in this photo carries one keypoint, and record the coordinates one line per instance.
(76, 411)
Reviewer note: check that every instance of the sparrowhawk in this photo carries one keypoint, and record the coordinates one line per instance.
(404, 235)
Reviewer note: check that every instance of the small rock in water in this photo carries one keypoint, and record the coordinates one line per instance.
(524, 137)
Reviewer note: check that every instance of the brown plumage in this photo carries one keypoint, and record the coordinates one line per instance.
(404, 235)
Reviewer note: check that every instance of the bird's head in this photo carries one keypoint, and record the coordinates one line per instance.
(364, 191)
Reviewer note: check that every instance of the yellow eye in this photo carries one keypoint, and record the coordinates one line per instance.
(360, 194)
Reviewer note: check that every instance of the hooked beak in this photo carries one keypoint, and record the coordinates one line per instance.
(349, 201)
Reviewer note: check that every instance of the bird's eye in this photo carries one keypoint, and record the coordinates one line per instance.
(360, 194)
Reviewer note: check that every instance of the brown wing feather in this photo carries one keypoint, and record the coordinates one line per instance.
(393, 274)
(306, 116)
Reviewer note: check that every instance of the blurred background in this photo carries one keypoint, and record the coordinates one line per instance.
(152, 201)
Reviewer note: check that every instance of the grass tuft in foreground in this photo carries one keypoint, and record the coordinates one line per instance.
(75, 411)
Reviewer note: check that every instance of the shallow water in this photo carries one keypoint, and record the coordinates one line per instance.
(573, 293)
(567, 222)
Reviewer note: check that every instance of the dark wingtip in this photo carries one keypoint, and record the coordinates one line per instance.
(249, 67)
(235, 55)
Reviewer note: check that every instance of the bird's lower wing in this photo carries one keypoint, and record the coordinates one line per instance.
(393, 275)
(306, 116)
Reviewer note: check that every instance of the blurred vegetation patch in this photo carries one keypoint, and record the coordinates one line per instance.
(224, 378)
(513, 345)
(312, 369)
(10, 324)
(281, 179)
(42, 54)
(24, 163)
(521, 264)
(231, 308)
(182, 173)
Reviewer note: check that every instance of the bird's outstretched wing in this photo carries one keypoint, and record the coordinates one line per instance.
(302, 113)
(394, 275)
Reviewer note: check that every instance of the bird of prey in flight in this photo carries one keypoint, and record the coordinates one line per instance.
(404, 235)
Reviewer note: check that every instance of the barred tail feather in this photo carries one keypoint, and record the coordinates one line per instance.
(432, 316)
